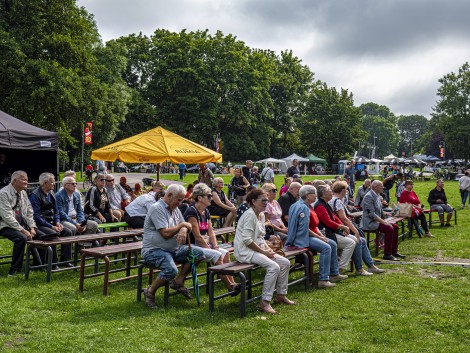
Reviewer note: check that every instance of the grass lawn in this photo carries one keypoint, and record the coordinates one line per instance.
(410, 308)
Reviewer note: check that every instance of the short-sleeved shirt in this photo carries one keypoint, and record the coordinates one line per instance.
(351, 173)
(158, 217)
(336, 204)
(293, 170)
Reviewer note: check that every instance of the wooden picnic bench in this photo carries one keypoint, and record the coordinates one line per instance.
(103, 253)
(73, 240)
(391, 220)
(429, 212)
(244, 272)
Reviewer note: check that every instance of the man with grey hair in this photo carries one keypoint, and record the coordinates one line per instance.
(372, 219)
(288, 199)
(267, 174)
(71, 210)
(164, 239)
(46, 216)
(16, 218)
(118, 197)
(303, 233)
(361, 192)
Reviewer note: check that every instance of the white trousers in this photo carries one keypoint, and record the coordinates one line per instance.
(277, 274)
(346, 245)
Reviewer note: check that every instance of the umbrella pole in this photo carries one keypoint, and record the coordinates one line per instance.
(158, 171)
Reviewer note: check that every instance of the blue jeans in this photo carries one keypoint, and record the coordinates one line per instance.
(328, 257)
(362, 253)
(464, 197)
(165, 260)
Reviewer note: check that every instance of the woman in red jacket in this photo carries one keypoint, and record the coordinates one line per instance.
(409, 196)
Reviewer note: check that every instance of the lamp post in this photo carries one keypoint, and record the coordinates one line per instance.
(442, 147)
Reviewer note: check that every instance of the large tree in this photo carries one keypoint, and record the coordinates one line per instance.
(453, 108)
(410, 129)
(55, 73)
(331, 126)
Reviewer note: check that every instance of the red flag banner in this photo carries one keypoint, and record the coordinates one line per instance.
(88, 133)
(442, 152)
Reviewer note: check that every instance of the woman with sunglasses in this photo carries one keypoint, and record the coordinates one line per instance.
(97, 202)
(273, 212)
(202, 234)
(409, 196)
(250, 247)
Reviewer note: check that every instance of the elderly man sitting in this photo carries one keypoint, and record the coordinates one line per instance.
(361, 192)
(46, 216)
(165, 232)
(137, 210)
(118, 197)
(16, 218)
(373, 219)
(71, 210)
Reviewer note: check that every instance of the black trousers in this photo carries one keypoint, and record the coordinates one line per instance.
(134, 222)
(66, 250)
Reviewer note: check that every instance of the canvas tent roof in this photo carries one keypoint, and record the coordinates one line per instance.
(271, 160)
(295, 156)
(27, 147)
(17, 134)
(314, 159)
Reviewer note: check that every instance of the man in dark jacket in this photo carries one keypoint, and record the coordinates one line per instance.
(438, 201)
(288, 199)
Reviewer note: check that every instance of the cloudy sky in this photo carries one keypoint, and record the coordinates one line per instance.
(390, 52)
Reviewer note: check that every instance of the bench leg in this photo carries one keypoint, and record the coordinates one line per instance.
(139, 282)
(49, 264)
(82, 273)
(128, 264)
(211, 291)
(106, 275)
(241, 275)
(26, 265)
(307, 270)
(167, 294)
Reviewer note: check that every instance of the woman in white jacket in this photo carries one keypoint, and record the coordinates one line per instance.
(250, 247)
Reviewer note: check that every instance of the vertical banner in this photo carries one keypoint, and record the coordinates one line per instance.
(88, 133)
(442, 152)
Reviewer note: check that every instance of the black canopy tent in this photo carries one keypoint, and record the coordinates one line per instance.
(27, 147)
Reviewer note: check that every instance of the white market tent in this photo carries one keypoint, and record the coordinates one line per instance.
(278, 163)
(390, 156)
(290, 158)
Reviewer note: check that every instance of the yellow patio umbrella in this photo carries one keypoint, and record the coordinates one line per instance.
(156, 146)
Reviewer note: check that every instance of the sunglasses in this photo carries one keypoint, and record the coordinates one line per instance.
(110, 180)
(102, 179)
(273, 190)
(71, 183)
(209, 196)
(263, 200)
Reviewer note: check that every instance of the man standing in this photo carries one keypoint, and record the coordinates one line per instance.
(165, 232)
(464, 187)
(71, 210)
(182, 170)
(293, 169)
(100, 167)
(46, 216)
(288, 199)
(205, 175)
(438, 201)
(246, 170)
(361, 192)
(349, 171)
(118, 197)
(16, 218)
(267, 175)
(372, 219)
(400, 185)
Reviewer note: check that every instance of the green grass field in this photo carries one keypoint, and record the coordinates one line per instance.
(410, 308)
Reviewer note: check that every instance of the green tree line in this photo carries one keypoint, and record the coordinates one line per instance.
(57, 74)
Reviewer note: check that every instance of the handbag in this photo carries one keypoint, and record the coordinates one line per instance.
(404, 210)
(275, 243)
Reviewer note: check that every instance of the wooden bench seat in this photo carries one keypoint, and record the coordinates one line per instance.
(244, 271)
(104, 252)
(73, 240)
(391, 220)
(429, 212)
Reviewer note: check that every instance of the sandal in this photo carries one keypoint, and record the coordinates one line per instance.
(266, 308)
(234, 289)
(181, 289)
(149, 299)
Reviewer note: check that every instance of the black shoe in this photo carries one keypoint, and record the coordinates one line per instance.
(55, 268)
(14, 273)
(399, 255)
(297, 266)
(390, 258)
(448, 225)
(442, 224)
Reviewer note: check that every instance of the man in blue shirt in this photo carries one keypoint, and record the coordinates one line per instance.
(182, 170)
(349, 171)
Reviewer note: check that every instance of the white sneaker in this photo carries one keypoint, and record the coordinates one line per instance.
(363, 273)
(376, 270)
(325, 284)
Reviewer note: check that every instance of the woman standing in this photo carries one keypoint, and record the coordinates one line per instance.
(239, 184)
(250, 247)
(202, 233)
